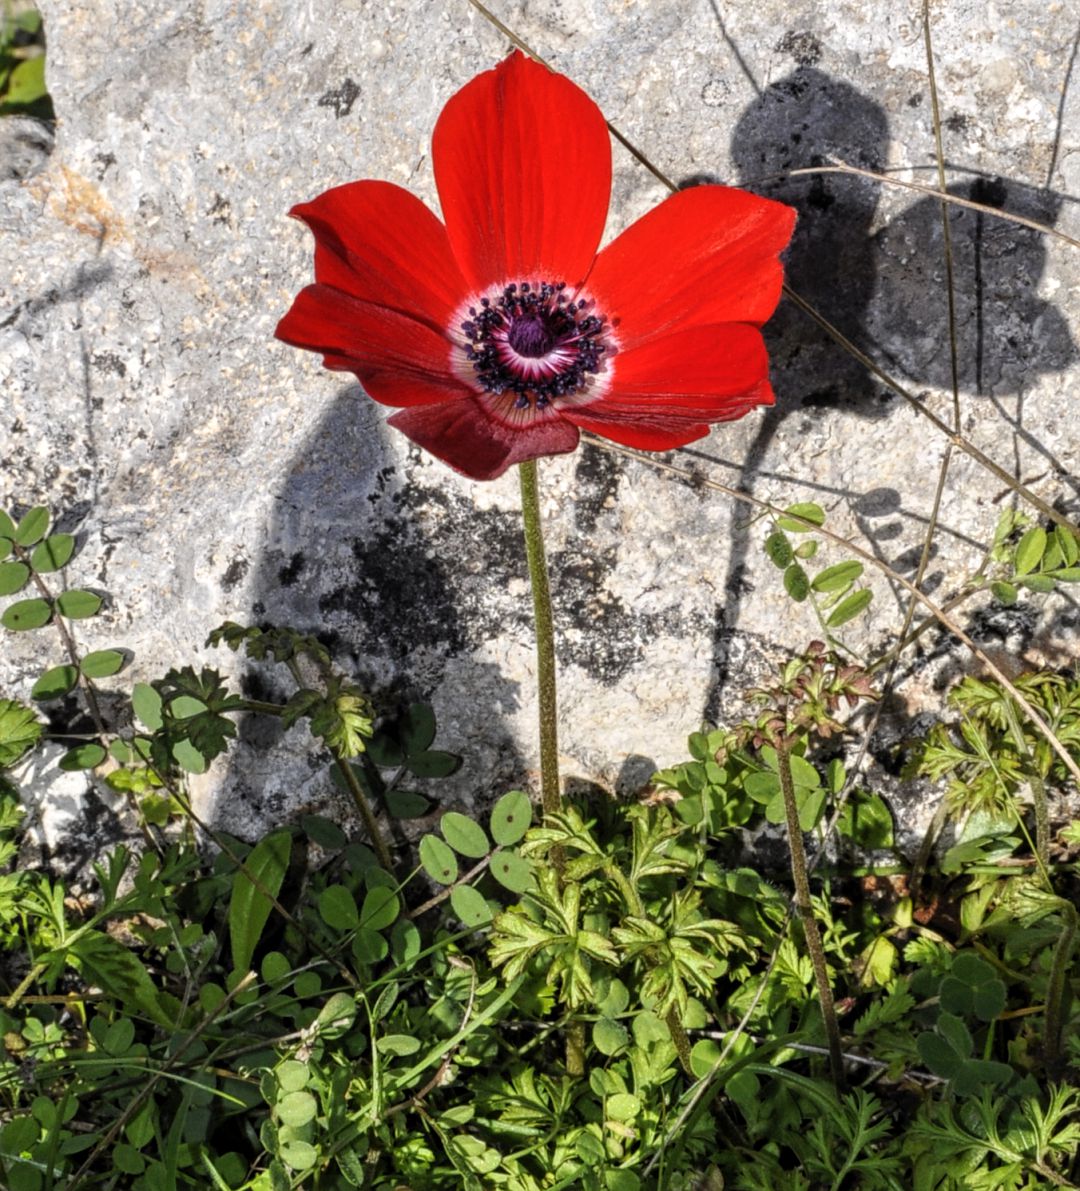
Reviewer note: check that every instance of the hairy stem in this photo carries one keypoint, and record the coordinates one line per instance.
(545, 639)
(635, 906)
(678, 1035)
(806, 914)
(1038, 790)
(364, 807)
(1058, 987)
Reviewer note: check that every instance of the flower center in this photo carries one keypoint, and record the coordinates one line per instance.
(534, 343)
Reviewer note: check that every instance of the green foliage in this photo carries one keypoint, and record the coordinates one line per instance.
(1023, 555)
(312, 1010)
(22, 64)
(832, 591)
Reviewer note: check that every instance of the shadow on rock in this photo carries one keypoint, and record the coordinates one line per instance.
(881, 289)
(405, 583)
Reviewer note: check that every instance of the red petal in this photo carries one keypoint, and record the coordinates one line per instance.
(705, 255)
(668, 392)
(380, 243)
(462, 435)
(523, 164)
(399, 360)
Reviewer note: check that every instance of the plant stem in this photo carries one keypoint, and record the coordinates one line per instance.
(678, 1035)
(806, 914)
(1058, 986)
(364, 807)
(1038, 790)
(545, 639)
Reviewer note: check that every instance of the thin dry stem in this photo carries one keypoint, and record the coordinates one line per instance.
(939, 615)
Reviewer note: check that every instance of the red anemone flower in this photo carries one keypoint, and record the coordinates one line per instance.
(503, 332)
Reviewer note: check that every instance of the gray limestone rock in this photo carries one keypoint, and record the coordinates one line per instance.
(212, 472)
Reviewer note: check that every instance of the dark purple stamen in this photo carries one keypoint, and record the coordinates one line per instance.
(531, 336)
(534, 342)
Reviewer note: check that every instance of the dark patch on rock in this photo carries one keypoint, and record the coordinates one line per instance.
(109, 362)
(958, 122)
(340, 99)
(596, 480)
(290, 572)
(234, 573)
(408, 592)
(220, 210)
(803, 47)
(715, 92)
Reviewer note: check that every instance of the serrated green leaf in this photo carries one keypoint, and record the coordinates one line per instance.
(808, 511)
(466, 837)
(796, 584)
(102, 663)
(849, 607)
(779, 550)
(20, 730)
(26, 614)
(13, 577)
(53, 553)
(118, 970)
(512, 871)
(54, 683)
(254, 888)
(438, 860)
(469, 905)
(511, 818)
(1029, 550)
(1068, 575)
(32, 526)
(146, 703)
(337, 908)
(1043, 583)
(77, 604)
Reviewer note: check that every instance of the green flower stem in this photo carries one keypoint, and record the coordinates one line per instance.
(1058, 986)
(635, 906)
(806, 914)
(678, 1035)
(1038, 790)
(348, 774)
(545, 639)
